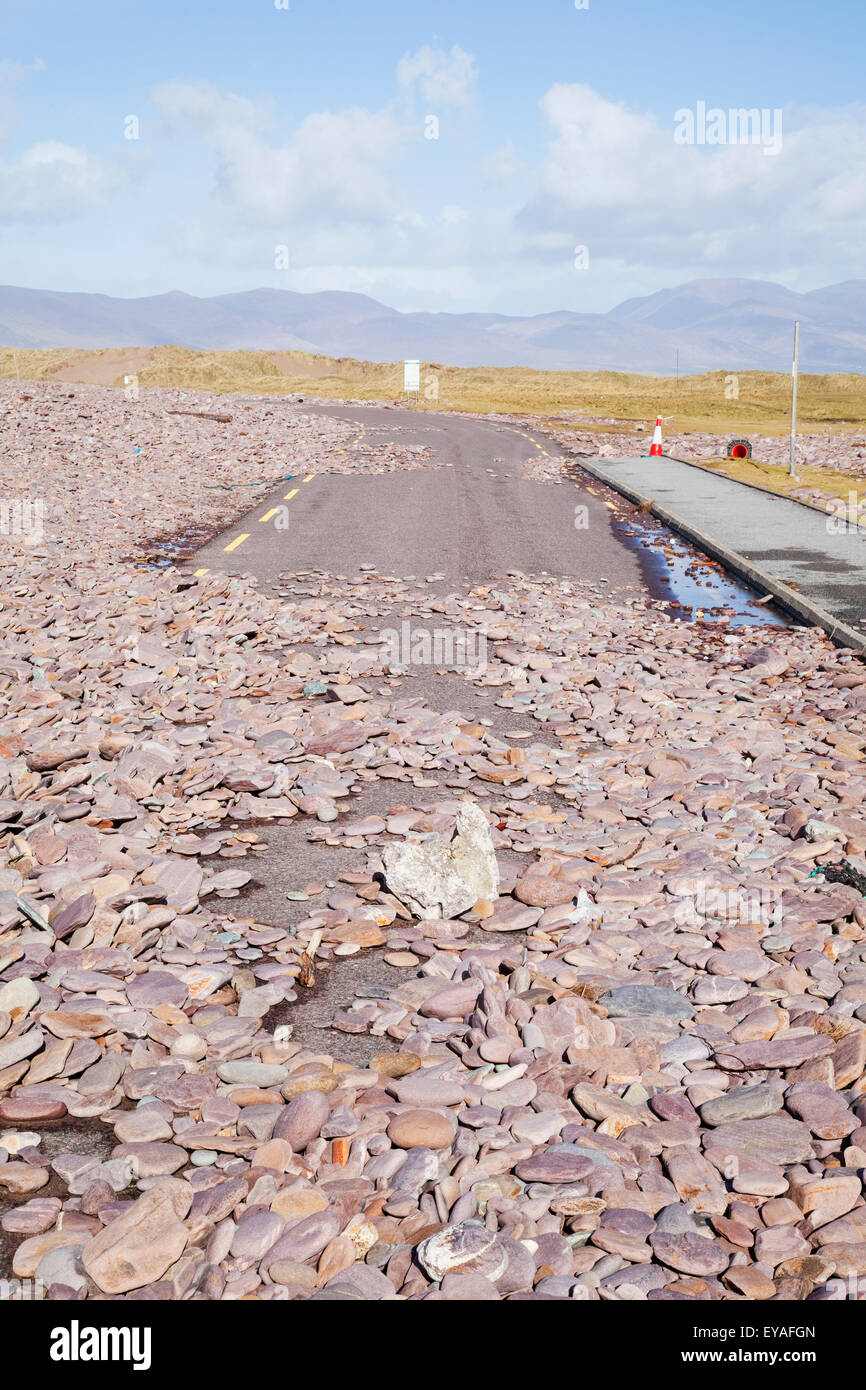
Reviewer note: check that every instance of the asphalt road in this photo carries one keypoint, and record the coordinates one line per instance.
(468, 514)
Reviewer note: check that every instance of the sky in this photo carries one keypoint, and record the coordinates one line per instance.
(518, 156)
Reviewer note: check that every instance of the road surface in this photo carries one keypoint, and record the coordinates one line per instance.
(467, 514)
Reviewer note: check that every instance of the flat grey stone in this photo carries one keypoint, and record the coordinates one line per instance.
(628, 1001)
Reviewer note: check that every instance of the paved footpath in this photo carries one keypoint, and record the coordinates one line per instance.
(789, 541)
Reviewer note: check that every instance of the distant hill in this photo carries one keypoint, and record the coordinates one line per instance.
(729, 325)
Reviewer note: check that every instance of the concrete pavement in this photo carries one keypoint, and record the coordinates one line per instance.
(785, 539)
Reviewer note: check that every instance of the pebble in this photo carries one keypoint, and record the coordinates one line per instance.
(306, 1239)
(743, 1103)
(18, 997)
(139, 1245)
(421, 1089)
(688, 1253)
(466, 1248)
(634, 1067)
(301, 1121)
(554, 1166)
(246, 1073)
(422, 1128)
(25, 1109)
(203, 1158)
(636, 1001)
(20, 1178)
(775, 1139)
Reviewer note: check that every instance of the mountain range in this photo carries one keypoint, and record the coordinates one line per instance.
(714, 325)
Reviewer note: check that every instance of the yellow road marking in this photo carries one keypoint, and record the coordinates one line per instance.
(199, 573)
(309, 477)
(289, 495)
(513, 430)
(267, 516)
(238, 540)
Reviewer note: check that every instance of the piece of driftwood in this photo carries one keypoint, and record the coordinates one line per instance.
(203, 415)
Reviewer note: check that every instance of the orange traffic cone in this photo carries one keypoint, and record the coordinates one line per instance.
(656, 447)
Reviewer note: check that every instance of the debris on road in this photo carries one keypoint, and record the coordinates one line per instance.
(636, 1070)
(444, 877)
(204, 415)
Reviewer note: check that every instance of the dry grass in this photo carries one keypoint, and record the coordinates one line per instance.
(34, 364)
(778, 479)
(696, 403)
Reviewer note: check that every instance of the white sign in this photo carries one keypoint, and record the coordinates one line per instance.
(412, 376)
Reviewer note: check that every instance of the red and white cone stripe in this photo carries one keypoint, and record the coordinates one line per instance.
(656, 448)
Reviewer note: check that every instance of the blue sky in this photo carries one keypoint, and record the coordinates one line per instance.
(554, 182)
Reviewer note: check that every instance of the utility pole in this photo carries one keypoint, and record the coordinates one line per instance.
(678, 366)
(794, 372)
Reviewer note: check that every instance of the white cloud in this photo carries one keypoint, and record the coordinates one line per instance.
(616, 180)
(336, 189)
(18, 72)
(332, 170)
(443, 79)
(452, 215)
(52, 181)
(500, 167)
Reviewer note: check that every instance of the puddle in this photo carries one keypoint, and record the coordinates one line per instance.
(694, 587)
(181, 546)
(689, 585)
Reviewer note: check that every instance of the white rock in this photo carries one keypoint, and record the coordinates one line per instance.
(18, 998)
(442, 878)
(13, 1141)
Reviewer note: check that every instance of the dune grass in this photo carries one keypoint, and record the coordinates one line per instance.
(747, 402)
(779, 480)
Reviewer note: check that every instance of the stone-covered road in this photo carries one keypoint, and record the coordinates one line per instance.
(234, 1064)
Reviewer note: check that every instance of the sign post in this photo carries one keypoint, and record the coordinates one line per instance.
(794, 373)
(412, 378)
